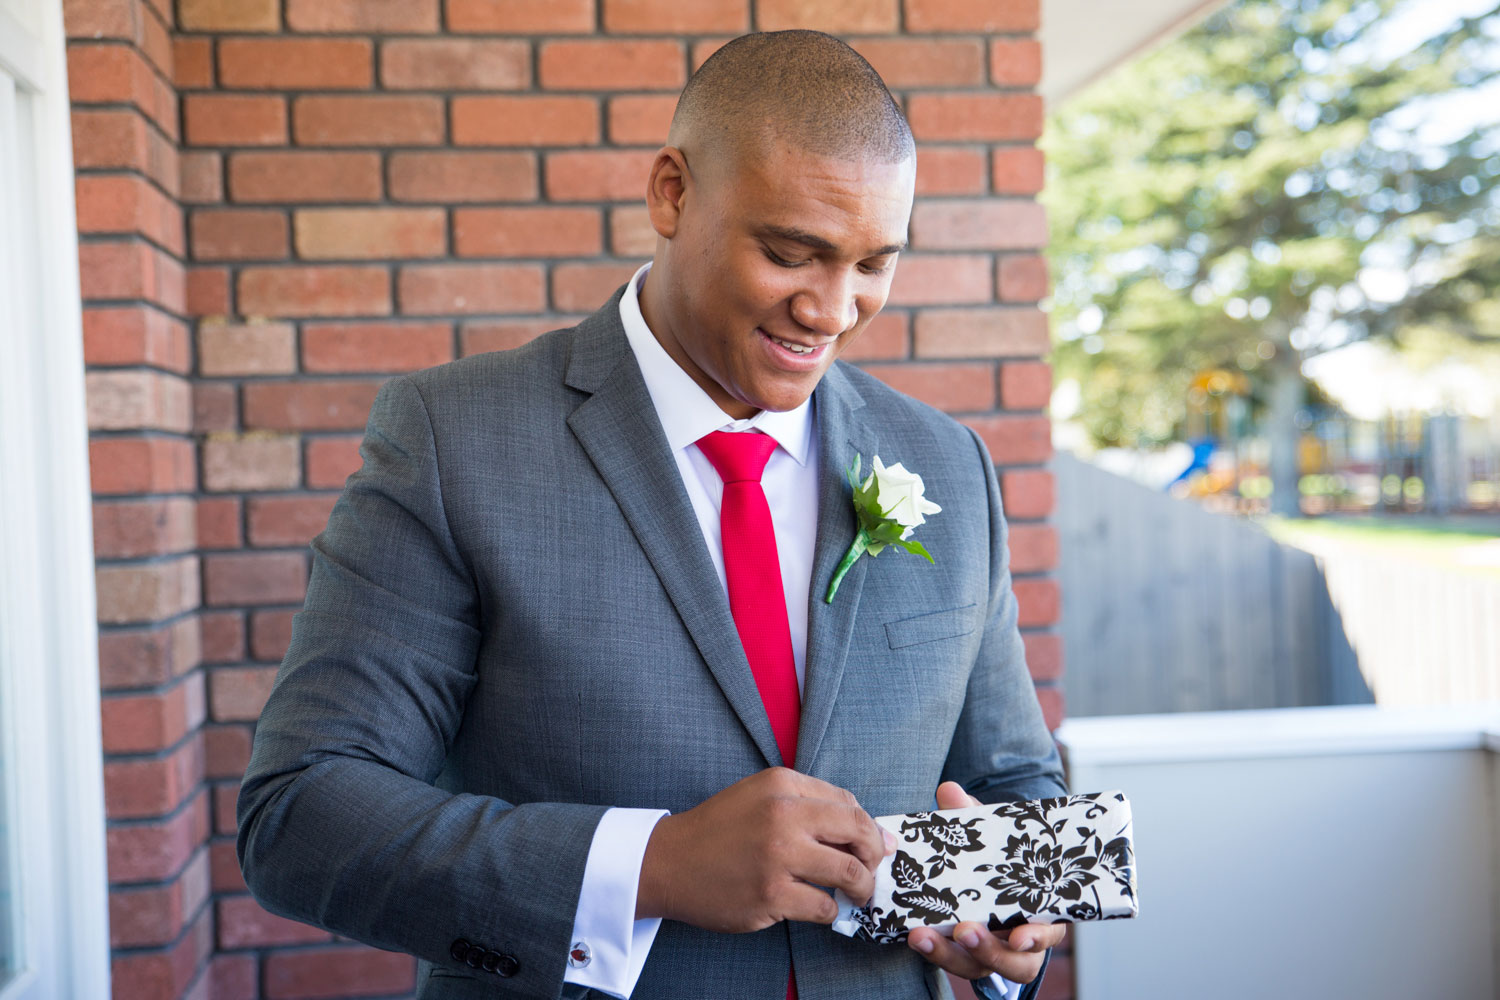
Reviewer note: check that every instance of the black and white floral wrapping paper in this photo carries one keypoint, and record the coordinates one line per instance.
(1044, 861)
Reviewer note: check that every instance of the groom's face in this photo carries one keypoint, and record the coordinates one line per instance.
(776, 264)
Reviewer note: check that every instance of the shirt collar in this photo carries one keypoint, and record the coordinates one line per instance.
(686, 411)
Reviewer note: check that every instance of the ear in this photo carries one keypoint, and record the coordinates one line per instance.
(666, 190)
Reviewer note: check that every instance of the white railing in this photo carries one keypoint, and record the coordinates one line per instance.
(1300, 853)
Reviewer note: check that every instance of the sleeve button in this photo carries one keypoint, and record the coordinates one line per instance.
(508, 966)
(491, 961)
(475, 957)
(460, 950)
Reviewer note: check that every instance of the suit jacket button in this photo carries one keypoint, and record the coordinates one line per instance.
(475, 956)
(491, 961)
(460, 950)
(508, 966)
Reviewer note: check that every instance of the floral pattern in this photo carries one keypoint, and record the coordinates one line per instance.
(1043, 861)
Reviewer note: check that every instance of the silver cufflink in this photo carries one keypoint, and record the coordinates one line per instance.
(579, 956)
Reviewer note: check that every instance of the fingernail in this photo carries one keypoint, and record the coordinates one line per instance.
(925, 946)
(969, 939)
(890, 840)
(1025, 944)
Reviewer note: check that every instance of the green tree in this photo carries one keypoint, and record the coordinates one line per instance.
(1272, 184)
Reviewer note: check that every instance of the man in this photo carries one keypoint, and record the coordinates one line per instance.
(538, 719)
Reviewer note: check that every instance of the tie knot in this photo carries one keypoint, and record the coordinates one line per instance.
(738, 457)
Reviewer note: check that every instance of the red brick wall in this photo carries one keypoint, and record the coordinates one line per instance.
(283, 202)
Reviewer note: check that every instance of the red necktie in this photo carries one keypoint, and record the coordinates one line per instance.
(756, 597)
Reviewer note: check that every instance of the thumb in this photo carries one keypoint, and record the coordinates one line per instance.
(951, 795)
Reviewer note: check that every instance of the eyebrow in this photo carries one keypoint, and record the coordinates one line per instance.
(819, 243)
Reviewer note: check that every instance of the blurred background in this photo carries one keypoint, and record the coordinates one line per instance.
(1217, 281)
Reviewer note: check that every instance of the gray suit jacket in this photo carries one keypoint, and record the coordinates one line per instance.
(513, 623)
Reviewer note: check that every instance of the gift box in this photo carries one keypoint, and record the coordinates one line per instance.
(1044, 861)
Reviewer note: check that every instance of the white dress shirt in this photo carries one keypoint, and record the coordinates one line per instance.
(616, 943)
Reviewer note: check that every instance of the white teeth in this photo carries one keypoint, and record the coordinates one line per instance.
(794, 348)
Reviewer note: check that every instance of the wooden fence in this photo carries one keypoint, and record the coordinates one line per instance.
(1168, 607)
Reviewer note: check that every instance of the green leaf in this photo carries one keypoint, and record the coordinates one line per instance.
(916, 548)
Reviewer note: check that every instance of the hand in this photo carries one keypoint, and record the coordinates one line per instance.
(756, 853)
(975, 951)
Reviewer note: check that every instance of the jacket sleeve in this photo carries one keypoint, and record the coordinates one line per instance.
(340, 823)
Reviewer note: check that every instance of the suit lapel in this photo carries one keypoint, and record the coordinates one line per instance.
(830, 626)
(618, 428)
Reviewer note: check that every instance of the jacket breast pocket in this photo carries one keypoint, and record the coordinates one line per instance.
(932, 626)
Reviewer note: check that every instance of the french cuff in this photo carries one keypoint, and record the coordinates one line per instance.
(1005, 988)
(610, 946)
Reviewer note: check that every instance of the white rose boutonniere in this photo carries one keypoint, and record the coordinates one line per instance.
(889, 505)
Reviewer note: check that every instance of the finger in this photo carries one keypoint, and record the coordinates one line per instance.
(995, 953)
(846, 825)
(945, 954)
(951, 795)
(1036, 937)
(800, 901)
(823, 865)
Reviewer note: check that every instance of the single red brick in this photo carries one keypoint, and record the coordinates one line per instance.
(905, 63)
(941, 279)
(1021, 277)
(950, 170)
(521, 17)
(363, 16)
(1027, 493)
(1054, 709)
(228, 15)
(129, 529)
(296, 63)
(528, 232)
(951, 387)
(115, 203)
(243, 923)
(226, 749)
(1039, 600)
(216, 407)
(153, 916)
(148, 657)
(441, 289)
(1017, 170)
(202, 177)
(341, 970)
(1033, 547)
(630, 231)
(168, 973)
(246, 348)
(296, 177)
(131, 270)
(585, 287)
(982, 333)
(455, 64)
(219, 523)
(368, 120)
(887, 338)
(331, 460)
(505, 334)
(246, 462)
(308, 404)
(973, 15)
(271, 633)
(314, 291)
(234, 120)
(134, 789)
(193, 63)
(122, 400)
(375, 347)
(134, 335)
(224, 794)
(672, 17)
(612, 64)
(1044, 655)
(641, 119)
(146, 592)
(599, 175)
(234, 976)
(145, 723)
(450, 177)
(1015, 62)
(152, 852)
(109, 138)
(978, 224)
(223, 636)
(254, 578)
(98, 20)
(206, 291)
(1014, 440)
(141, 465)
(1025, 385)
(985, 117)
(833, 16)
(283, 521)
(238, 234)
(224, 865)
(239, 693)
(370, 233)
(528, 120)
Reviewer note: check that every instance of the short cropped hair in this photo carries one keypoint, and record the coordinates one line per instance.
(806, 89)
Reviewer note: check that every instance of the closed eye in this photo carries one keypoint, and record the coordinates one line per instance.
(781, 261)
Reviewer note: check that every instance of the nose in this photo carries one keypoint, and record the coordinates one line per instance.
(826, 306)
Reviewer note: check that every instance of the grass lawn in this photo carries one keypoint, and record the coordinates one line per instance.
(1468, 543)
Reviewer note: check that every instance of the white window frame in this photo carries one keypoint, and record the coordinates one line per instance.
(49, 674)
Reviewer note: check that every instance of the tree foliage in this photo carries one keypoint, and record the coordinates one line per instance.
(1275, 183)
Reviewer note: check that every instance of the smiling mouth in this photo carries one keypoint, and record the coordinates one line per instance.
(802, 349)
